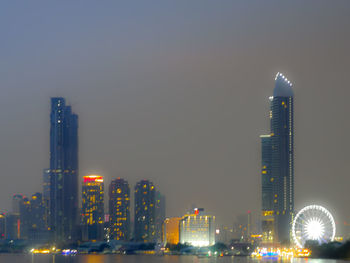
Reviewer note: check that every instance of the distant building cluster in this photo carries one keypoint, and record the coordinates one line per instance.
(55, 215)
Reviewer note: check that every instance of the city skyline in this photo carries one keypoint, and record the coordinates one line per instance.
(184, 99)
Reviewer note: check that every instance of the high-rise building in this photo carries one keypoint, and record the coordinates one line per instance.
(28, 220)
(13, 226)
(18, 217)
(17, 202)
(171, 230)
(46, 196)
(278, 160)
(144, 229)
(37, 213)
(160, 215)
(63, 170)
(92, 207)
(25, 218)
(119, 210)
(32, 218)
(197, 229)
(2, 225)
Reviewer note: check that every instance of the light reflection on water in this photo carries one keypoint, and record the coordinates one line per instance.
(19, 258)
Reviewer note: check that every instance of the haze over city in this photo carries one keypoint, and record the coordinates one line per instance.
(178, 93)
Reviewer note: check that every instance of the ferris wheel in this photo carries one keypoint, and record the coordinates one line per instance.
(313, 222)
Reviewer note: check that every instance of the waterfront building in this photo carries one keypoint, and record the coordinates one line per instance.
(144, 229)
(160, 215)
(242, 227)
(2, 225)
(119, 210)
(278, 162)
(37, 217)
(30, 214)
(63, 171)
(12, 226)
(223, 234)
(20, 211)
(197, 229)
(25, 218)
(46, 195)
(267, 205)
(33, 218)
(92, 208)
(171, 230)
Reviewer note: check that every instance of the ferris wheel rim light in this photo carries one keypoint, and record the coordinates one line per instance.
(315, 228)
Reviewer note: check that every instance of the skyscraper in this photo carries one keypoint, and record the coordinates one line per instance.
(12, 226)
(278, 159)
(63, 170)
(2, 225)
(37, 216)
(19, 217)
(160, 215)
(145, 211)
(92, 207)
(46, 196)
(119, 210)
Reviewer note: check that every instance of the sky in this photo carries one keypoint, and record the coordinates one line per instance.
(177, 92)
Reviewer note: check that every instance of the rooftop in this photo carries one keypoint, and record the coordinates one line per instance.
(283, 87)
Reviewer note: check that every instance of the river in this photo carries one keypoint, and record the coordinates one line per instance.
(27, 258)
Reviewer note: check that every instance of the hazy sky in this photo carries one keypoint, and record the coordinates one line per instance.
(177, 92)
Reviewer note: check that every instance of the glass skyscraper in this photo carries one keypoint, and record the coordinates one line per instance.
(278, 161)
(63, 170)
(145, 211)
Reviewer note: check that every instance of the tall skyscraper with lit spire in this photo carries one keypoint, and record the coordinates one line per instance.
(63, 171)
(278, 161)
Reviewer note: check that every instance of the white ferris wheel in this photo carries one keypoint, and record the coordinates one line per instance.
(313, 222)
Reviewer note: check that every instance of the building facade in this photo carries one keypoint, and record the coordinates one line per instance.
(278, 159)
(46, 195)
(92, 208)
(119, 210)
(144, 230)
(171, 230)
(267, 204)
(2, 225)
(160, 215)
(17, 202)
(12, 226)
(63, 171)
(37, 216)
(197, 229)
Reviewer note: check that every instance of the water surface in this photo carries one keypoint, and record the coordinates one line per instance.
(24, 258)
